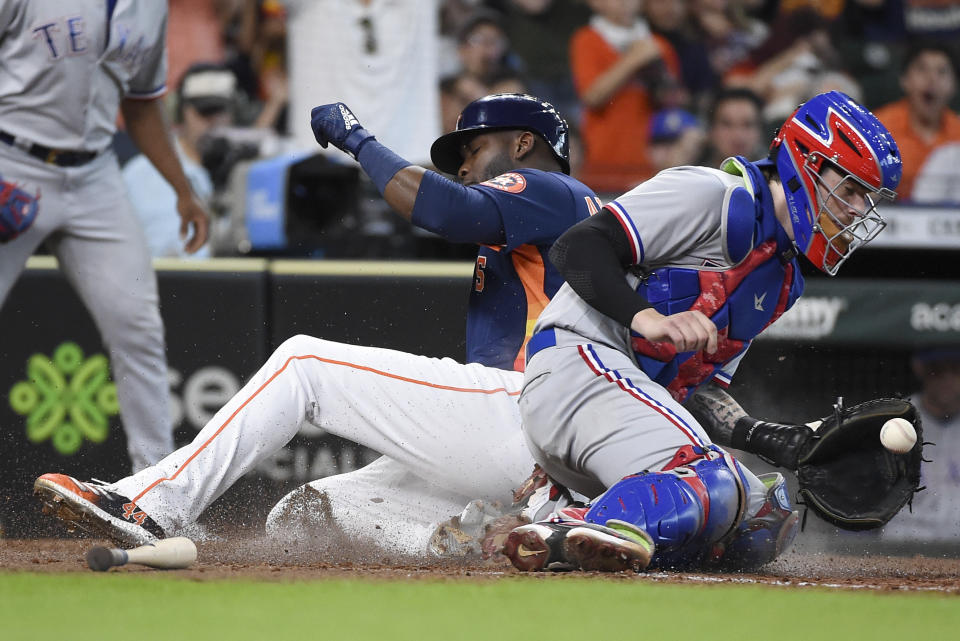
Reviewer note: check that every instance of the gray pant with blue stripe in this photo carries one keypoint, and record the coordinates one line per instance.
(591, 417)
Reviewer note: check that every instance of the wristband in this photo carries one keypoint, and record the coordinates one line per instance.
(380, 163)
(355, 140)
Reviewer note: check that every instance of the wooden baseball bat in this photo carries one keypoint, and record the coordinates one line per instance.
(169, 554)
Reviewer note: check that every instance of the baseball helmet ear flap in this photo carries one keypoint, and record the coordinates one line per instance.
(499, 112)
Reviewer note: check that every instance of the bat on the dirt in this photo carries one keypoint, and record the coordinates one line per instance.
(169, 554)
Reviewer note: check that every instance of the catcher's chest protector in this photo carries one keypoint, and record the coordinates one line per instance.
(762, 281)
(742, 301)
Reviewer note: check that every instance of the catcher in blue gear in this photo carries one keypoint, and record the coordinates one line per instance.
(665, 290)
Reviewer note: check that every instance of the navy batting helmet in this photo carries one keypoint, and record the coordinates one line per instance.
(503, 111)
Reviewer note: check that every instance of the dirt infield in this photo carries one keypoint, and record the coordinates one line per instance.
(257, 559)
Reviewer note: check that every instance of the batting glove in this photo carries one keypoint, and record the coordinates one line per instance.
(335, 124)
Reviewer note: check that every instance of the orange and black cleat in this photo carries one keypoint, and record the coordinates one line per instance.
(92, 507)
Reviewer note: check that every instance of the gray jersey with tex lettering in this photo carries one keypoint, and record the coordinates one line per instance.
(55, 54)
(675, 219)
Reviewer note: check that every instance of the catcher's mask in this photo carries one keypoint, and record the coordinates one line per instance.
(831, 221)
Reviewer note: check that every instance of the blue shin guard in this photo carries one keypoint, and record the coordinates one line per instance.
(684, 509)
(762, 537)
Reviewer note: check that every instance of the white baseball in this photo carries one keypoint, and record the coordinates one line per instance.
(898, 435)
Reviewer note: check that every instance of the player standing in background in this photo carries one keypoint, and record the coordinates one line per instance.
(449, 432)
(666, 288)
(205, 100)
(65, 68)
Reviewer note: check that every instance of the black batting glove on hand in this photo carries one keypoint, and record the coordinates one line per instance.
(335, 124)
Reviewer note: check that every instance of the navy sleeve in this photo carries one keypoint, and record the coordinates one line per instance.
(592, 256)
(535, 206)
(457, 213)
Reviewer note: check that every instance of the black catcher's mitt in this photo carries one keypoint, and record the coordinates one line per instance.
(845, 474)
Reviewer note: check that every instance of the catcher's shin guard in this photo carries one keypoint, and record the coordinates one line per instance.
(764, 536)
(686, 507)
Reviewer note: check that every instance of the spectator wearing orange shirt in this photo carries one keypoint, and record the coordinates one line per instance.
(922, 120)
(621, 72)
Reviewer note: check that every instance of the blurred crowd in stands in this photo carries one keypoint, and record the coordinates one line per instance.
(644, 84)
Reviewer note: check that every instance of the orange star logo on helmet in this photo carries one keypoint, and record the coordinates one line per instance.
(510, 182)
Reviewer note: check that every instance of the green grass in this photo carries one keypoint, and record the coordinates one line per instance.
(72, 607)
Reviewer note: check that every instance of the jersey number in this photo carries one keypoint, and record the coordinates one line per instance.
(594, 205)
(478, 273)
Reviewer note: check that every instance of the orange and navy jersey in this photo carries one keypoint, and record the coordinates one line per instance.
(513, 282)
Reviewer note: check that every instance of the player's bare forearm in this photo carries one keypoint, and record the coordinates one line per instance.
(148, 128)
(716, 411)
(729, 425)
(401, 192)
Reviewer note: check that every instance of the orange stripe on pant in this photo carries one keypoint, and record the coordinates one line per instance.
(329, 361)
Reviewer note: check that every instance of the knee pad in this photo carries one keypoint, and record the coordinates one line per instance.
(695, 504)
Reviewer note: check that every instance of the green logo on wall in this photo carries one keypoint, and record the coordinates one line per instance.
(66, 399)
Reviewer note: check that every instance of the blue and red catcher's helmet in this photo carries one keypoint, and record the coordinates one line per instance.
(833, 130)
(503, 111)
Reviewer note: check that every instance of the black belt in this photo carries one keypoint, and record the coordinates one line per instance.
(59, 157)
(540, 341)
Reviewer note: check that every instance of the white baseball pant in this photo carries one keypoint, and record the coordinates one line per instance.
(450, 431)
(383, 503)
